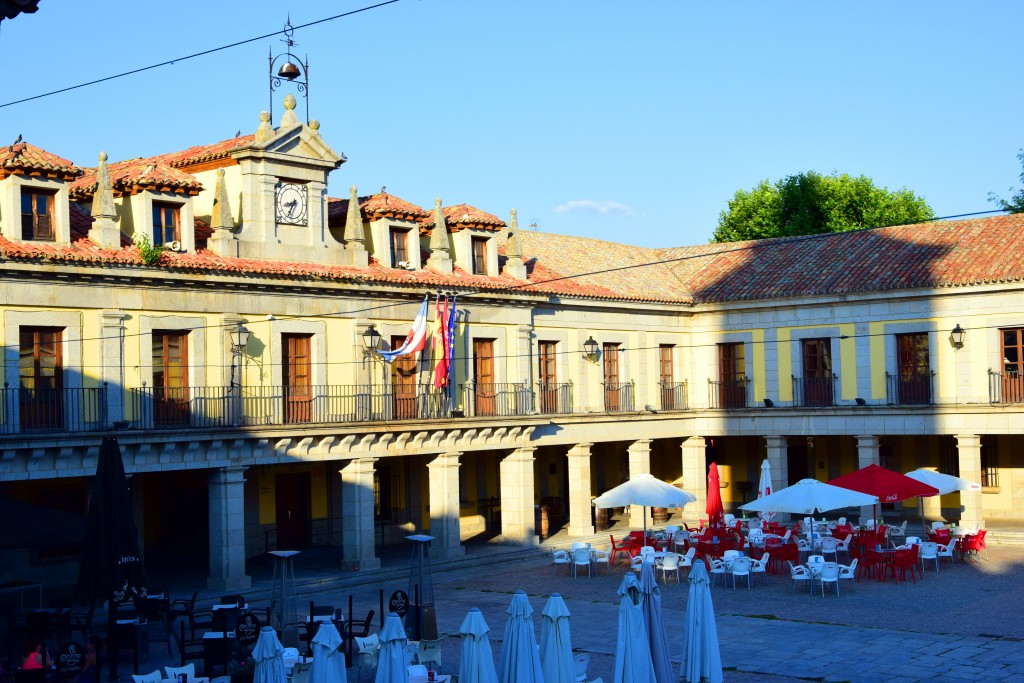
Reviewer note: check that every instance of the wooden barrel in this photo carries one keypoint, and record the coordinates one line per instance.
(601, 519)
(545, 521)
(659, 515)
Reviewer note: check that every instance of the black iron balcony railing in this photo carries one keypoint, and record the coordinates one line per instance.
(674, 396)
(1005, 387)
(554, 397)
(728, 394)
(483, 399)
(909, 391)
(814, 391)
(80, 409)
(618, 396)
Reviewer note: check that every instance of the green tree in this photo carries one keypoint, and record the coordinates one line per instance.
(1016, 202)
(811, 203)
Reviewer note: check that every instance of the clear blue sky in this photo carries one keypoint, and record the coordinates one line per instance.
(627, 121)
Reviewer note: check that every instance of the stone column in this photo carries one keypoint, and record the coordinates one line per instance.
(357, 546)
(778, 459)
(867, 454)
(579, 491)
(639, 463)
(968, 448)
(112, 362)
(518, 523)
(695, 477)
(227, 530)
(444, 506)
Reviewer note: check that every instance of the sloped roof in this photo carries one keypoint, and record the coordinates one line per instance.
(373, 207)
(134, 174)
(463, 216)
(26, 158)
(203, 154)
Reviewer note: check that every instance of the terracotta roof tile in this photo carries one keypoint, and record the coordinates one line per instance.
(26, 158)
(373, 207)
(463, 216)
(201, 154)
(134, 174)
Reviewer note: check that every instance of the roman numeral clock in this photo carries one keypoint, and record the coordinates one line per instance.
(291, 204)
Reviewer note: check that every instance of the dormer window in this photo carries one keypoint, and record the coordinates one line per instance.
(166, 224)
(399, 246)
(37, 214)
(479, 255)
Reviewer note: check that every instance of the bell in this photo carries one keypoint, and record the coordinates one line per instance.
(289, 71)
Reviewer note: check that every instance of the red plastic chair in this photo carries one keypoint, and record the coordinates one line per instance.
(618, 548)
(974, 544)
(907, 559)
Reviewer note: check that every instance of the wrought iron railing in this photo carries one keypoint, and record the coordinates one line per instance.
(1005, 387)
(79, 409)
(502, 399)
(912, 391)
(554, 397)
(618, 396)
(674, 396)
(814, 391)
(728, 394)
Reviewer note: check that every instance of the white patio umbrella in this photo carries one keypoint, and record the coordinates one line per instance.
(268, 654)
(632, 651)
(702, 658)
(391, 659)
(658, 641)
(556, 660)
(477, 662)
(808, 496)
(765, 488)
(519, 661)
(328, 657)
(644, 489)
(945, 483)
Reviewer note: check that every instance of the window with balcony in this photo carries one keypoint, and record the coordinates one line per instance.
(479, 245)
(673, 395)
(399, 246)
(40, 371)
(732, 369)
(1012, 381)
(483, 377)
(37, 218)
(297, 373)
(612, 386)
(913, 369)
(817, 382)
(548, 376)
(403, 381)
(166, 226)
(170, 377)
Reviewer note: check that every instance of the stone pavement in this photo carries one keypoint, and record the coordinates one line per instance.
(960, 622)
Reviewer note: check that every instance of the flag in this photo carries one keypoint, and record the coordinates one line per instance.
(440, 343)
(415, 340)
(451, 341)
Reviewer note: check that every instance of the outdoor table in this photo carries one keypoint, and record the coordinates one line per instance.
(20, 587)
(241, 607)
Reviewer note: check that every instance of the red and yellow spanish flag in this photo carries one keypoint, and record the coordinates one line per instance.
(440, 346)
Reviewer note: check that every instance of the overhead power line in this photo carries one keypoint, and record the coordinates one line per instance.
(171, 62)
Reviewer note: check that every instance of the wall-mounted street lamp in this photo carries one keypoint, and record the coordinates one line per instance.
(957, 336)
(590, 349)
(239, 340)
(371, 340)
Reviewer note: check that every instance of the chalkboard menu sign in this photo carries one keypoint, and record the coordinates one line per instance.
(70, 659)
(247, 631)
(399, 603)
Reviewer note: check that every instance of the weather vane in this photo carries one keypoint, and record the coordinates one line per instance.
(291, 71)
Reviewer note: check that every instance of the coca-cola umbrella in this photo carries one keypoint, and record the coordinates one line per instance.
(888, 486)
(716, 513)
(111, 567)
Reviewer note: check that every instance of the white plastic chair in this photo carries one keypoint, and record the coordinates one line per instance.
(153, 677)
(647, 550)
(717, 569)
(798, 573)
(948, 550)
(911, 540)
(843, 546)
(899, 531)
(679, 540)
(300, 673)
(173, 671)
(429, 652)
(849, 571)
(581, 557)
(670, 563)
(601, 556)
(938, 525)
(637, 563)
(576, 545)
(741, 567)
(829, 573)
(417, 673)
(841, 521)
(560, 557)
(760, 566)
(830, 546)
(730, 554)
(671, 529)
(929, 550)
(580, 663)
(368, 648)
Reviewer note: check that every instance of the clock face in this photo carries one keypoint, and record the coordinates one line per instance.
(291, 204)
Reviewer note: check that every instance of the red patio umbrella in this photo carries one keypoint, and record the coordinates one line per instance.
(716, 512)
(889, 486)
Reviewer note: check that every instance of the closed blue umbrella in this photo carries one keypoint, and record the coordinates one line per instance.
(651, 607)
(633, 651)
(328, 657)
(702, 659)
(520, 662)
(391, 659)
(268, 654)
(556, 659)
(477, 663)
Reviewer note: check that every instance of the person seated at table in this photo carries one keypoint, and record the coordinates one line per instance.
(34, 658)
(95, 659)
